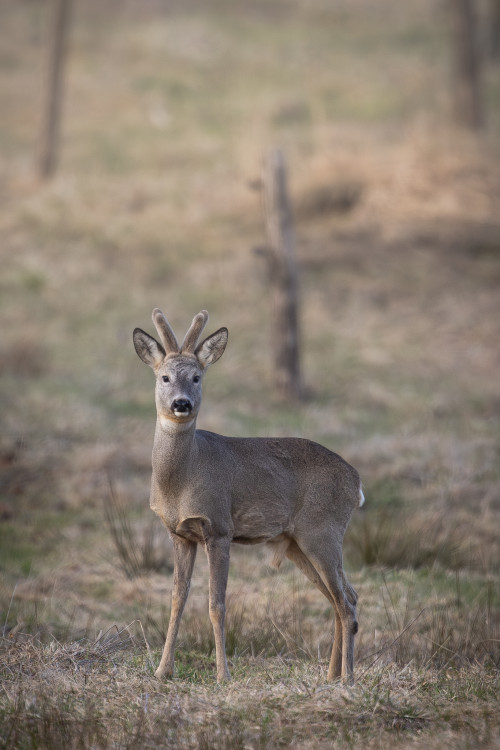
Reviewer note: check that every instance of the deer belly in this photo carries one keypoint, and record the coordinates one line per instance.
(252, 526)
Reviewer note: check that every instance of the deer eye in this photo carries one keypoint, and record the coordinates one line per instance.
(165, 379)
(196, 379)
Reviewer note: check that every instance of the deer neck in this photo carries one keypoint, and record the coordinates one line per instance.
(174, 453)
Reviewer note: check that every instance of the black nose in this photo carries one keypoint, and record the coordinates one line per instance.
(182, 406)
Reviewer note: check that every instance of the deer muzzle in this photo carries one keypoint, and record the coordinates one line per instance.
(182, 407)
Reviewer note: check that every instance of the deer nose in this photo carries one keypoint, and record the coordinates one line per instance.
(182, 406)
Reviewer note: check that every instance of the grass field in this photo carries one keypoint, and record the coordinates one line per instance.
(169, 109)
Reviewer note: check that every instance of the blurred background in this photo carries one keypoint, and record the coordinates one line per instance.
(143, 188)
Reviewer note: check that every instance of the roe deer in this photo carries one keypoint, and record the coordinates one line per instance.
(291, 493)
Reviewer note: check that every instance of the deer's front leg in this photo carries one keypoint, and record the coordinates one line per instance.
(218, 565)
(184, 557)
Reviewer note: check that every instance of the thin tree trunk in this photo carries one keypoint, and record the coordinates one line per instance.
(494, 29)
(283, 276)
(51, 115)
(467, 65)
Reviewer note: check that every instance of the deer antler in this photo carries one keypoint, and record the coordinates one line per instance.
(194, 332)
(165, 333)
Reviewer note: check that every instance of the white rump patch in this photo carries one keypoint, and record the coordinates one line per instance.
(361, 497)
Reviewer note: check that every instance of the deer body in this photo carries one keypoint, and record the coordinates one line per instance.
(255, 488)
(291, 493)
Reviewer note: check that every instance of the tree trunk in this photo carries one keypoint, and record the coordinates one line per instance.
(283, 276)
(51, 116)
(494, 30)
(467, 65)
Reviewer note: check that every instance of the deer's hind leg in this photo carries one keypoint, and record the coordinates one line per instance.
(323, 551)
(295, 554)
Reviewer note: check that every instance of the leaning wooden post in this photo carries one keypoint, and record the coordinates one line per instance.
(51, 116)
(283, 276)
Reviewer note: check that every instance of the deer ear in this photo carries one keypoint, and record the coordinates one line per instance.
(212, 348)
(148, 349)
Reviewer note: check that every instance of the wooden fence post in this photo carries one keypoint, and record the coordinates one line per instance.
(280, 252)
(51, 116)
(469, 105)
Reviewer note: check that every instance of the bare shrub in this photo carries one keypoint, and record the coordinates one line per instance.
(382, 537)
(452, 634)
(137, 553)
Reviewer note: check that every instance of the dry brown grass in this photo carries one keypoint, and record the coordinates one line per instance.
(102, 694)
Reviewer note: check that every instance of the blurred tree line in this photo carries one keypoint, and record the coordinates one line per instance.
(474, 34)
(474, 40)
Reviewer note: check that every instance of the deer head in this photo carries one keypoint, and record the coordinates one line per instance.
(180, 369)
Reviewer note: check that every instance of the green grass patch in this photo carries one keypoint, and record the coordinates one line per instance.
(17, 549)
